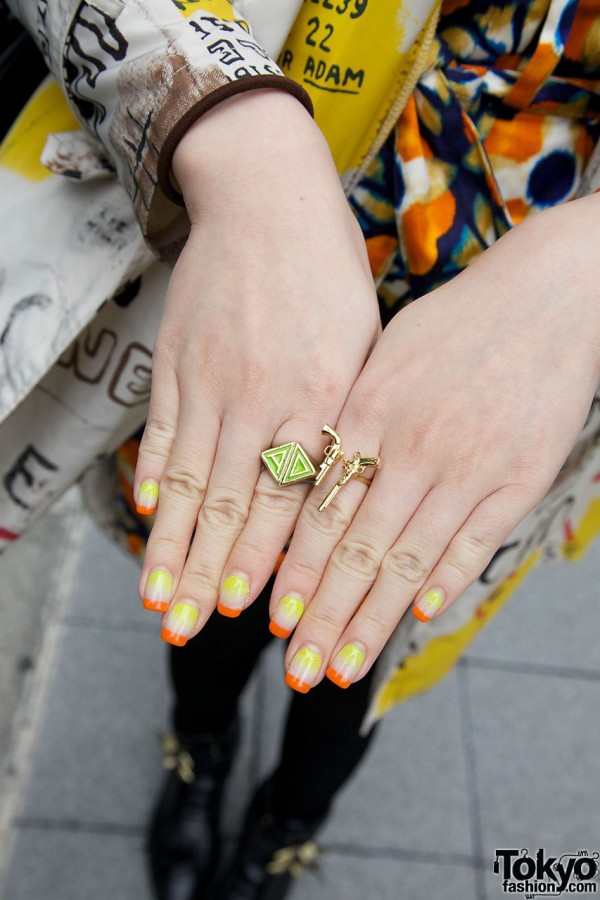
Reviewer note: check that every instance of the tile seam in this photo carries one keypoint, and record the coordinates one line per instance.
(470, 759)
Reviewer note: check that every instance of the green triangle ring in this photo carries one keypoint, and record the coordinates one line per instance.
(288, 463)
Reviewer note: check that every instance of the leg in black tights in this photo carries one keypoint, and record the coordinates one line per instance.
(321, 746)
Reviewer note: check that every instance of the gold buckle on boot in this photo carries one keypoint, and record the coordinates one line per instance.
(294, 859)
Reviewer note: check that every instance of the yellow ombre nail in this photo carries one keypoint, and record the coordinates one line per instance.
(179, 624)
(234, 594)
(158, 590)
(286, 616)
(346, 665)
(147, 497)
(428, 605)
(303, 670)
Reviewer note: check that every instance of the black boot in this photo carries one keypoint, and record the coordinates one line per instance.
(183, 840)
(270, 854)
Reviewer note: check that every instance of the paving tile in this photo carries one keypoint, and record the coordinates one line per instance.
(538, 770)
(66, 865)
(105, 583)
(27, 573)
(410, 792)
(553, 619)
(344, 877)
(96, 753)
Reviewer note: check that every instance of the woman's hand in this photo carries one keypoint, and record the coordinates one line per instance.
(473, 398)
(269, 318)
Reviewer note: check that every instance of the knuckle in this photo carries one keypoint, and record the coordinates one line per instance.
(324, 620)
(356, 559)
(254, 382)
(406, 566)
(319, 370)
(376, 621)
(304, 571)
(179, 481)
(224, 512)
(471, 552)
(165, 547)
(158, 438)
(199, 580)
(331, 521)
(273, 499)
(370, 405)
(248, 547)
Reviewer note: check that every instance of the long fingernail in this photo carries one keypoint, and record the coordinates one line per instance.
(179, 624)
(429, 604)
(303, 670)
(346, 665)
(234, 594)
(286, 616)
(158, 590)
(147, 497)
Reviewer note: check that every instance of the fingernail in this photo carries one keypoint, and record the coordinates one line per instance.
(233, 596)
(147, 497)
(303, 670)
(179, 624)
(158, 590)
(429, 604)
(286, 616)
(346, 665)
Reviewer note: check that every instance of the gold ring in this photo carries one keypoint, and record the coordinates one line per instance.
(353, 468)
(290, 463)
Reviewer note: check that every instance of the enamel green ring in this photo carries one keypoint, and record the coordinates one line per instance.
(288, 463)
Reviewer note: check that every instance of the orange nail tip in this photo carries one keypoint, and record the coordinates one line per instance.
(296, 684)
(228, 611)
(279, 562)
(145, 510)
(337, 678)
(278, 631)
(178, 640)
(155, 605)
(420, 614)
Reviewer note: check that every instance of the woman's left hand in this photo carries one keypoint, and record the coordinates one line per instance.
(473, 398)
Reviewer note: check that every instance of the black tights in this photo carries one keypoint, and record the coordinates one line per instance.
(321, 746)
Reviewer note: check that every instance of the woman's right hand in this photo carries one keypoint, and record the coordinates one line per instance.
(269, 318)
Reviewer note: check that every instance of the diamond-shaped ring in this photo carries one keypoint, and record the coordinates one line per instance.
(289, 463)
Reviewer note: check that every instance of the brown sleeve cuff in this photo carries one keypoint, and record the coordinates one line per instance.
(195, 112)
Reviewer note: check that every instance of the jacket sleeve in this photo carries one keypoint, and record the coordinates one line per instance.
(138, 73)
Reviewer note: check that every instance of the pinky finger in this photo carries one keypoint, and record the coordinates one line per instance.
(157, 440)
(470, 551)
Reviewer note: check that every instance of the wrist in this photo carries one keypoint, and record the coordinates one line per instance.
(572, 232)
(247, 142)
